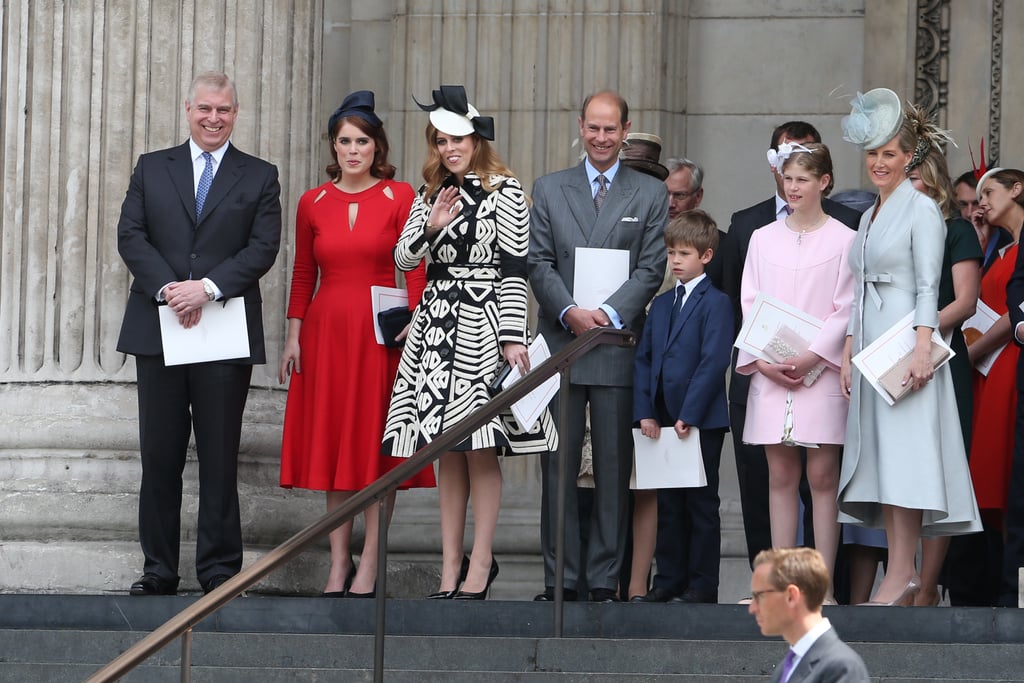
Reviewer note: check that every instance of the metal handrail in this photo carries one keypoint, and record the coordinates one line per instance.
(181, 624)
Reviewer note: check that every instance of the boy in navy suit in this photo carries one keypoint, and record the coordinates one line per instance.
(679, 383)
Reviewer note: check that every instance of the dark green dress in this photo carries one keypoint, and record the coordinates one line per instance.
(961, 244)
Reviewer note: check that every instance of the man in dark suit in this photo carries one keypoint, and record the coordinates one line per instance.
(200, 222)
(1013, 551)
(605, 205)
(789, 585)
(751, 464)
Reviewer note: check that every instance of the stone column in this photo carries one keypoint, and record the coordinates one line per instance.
(87, 87)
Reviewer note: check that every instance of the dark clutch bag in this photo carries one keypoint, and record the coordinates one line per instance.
(392, 322)
(494, 388)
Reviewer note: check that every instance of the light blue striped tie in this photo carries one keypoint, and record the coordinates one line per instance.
(205, 180)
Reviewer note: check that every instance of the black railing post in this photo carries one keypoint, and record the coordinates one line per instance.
(381, 588)
(186, 656)
(563, 474)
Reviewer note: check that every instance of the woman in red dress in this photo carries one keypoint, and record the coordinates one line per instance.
(345, 231)
(995, 395)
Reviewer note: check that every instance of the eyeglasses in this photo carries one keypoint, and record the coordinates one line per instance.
(757, 594)
(682, 196)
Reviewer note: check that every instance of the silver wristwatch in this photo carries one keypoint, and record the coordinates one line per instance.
(208, 289)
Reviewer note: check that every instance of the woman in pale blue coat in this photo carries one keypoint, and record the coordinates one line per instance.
(904, 467)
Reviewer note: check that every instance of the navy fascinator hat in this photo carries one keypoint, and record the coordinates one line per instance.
(359, 103)
(451, 113)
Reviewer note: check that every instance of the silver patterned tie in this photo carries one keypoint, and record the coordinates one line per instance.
(205, 180)
(602, 192)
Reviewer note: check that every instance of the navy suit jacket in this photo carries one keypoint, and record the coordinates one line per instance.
(689, 359)
(233, 243)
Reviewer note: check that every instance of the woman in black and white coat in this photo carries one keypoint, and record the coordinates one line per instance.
(472, 219)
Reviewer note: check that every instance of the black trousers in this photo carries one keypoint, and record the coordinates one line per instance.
(208, 398)
(1013, 551)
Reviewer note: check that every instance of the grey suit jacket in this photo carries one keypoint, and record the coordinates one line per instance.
(633, 218)
(829, 660)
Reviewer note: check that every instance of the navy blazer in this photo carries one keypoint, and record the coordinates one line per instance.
(233, 243)
(689, 359)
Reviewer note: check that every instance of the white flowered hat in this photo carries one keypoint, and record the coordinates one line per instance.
(875, 118)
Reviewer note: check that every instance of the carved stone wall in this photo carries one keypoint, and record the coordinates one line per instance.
(85, 88)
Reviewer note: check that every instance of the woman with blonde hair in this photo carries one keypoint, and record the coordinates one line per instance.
(904, 467)
(471, 218)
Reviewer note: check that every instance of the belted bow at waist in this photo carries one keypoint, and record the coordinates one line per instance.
(870, 279)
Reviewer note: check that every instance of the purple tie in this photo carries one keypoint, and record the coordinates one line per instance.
(787, 666)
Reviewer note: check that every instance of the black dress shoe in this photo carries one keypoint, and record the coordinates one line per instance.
(215, 583)
(371, 594)
(448, 595)
(654, 595)
(344, 589)
(150, 584)
(568, 594)
(603, 595)
(692, 595)
(481, 595)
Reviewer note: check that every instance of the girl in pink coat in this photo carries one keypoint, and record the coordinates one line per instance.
(797, 401)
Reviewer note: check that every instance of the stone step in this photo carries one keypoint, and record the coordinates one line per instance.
(58, 637)
(73, 655)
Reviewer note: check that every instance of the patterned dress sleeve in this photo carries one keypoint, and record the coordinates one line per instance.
(412, 243)
(513, 243)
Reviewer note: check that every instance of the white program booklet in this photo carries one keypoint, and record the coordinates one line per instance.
(220, 334)
(975, 326)
(528, 409)
(597, 274)
(668, 462)
(766, 316)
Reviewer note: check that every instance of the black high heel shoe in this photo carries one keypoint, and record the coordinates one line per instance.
(344, 589)
(448, 595)
(482, 595)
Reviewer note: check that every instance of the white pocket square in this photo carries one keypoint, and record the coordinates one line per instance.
(630, 219)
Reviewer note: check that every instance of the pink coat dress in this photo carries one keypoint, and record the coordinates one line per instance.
(808, 271)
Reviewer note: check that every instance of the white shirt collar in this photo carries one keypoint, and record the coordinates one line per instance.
(592, 172)
(801, 646)
(217, 154)
(780, 206)
(692, 284)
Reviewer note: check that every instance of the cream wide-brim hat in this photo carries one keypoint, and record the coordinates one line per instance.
(875, 118)
(451, 123)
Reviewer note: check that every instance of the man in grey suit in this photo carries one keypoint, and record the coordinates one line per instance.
(788, 587)
(598, 204)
